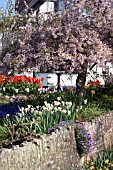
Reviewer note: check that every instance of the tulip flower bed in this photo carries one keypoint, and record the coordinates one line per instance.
(19, 85)
(93, 83)
(92, 88)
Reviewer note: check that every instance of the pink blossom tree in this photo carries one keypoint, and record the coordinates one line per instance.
(68, 40)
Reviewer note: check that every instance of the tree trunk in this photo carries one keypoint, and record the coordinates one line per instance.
(81, 79)
(80, 82)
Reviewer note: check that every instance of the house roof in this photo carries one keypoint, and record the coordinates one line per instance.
(21, 7)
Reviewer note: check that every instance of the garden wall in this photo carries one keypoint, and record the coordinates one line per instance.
(57, 151)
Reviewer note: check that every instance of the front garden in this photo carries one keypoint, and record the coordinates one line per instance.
(74, 40)
(47, 111)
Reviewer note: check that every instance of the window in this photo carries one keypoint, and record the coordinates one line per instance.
(61, 5)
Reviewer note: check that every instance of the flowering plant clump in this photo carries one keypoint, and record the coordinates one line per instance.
(54, 112)
(93, 83)
(19, 85)
(2, 78)
(84, 140)
(20, 124)
(9, 109)
(104, 161)
(92, 88)
(63, 123)
(38, 119)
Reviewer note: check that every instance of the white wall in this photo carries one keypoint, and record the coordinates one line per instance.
(50, 79)
(46, 8)
(99, 73)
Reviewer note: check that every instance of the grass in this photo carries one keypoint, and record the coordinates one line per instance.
(91, 111)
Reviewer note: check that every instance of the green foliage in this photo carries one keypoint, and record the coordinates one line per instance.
(91, 111)
(3, 133)
(10, 88)
(104, 97)
(50, 97)
(106, 101)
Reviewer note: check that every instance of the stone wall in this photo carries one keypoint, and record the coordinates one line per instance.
(101, 130)
(57, 151)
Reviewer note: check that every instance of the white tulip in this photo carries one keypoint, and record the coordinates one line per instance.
(69, 112)
(29, 106)
(27, 90)
(59, 109)
(58, 98)
(16, 90)
(85, 101)
(63, 111)
(56, 103)
(3, 88)
(69, 104)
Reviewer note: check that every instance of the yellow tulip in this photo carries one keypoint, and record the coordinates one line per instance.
(87, 86)
(92, 167)
(111, 165)
(92, 163)
(70, 89)
(93, 91)
(106, 161)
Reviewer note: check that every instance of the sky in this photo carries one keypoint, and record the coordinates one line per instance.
(4, 2)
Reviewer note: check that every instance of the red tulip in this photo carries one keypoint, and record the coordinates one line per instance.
(96, 83)
(42, 79)
(90, 82)
(37, 81)
(39, 86)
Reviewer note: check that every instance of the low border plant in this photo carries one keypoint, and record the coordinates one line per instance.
(84, 140)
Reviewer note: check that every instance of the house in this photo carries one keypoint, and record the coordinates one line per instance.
(58, 80)
(37, 6)
(23, 7)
